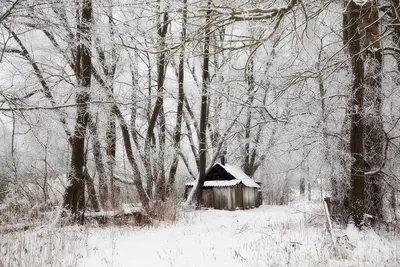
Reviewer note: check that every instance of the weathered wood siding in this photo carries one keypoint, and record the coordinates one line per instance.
(251, 197)
(238, 195)
(247, 197)
(259, 198)
(235, 197)
(230, 198)
(222, 198)
(208, 198)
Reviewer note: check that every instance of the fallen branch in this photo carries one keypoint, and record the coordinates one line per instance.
(18, 227)
(121, 216)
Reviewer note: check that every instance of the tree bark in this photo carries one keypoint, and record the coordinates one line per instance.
(161, 31)
(247, 168)
(91, 191)
(111, 152)
(74, 198)
(160, 184)
(109, 68)
(357, 173)
(374, 136)
(179, 109)
(98, 160)
(203, 112)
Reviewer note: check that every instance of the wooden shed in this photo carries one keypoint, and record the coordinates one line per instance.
(227, 187)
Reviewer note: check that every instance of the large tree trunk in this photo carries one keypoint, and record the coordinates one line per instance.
(74, 198)
(179, 109)
(158, 108)
(161, 65)
(203, 112)
(111, 153)
(108, 66)
(160, 184)
(98, 160)
(374, 136)
(247, 168)
(91, 190)
(357, 173)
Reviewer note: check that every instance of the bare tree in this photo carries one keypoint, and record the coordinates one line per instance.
(203, 113)
(74, 199)
(158, 111)
(357, 176)
(374, 135)
(10, 6)
(179, 109)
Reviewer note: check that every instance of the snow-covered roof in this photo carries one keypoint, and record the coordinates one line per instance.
(236, 172)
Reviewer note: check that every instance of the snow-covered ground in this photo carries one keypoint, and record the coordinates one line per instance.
(291, 235)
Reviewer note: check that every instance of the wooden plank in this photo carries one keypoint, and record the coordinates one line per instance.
(224, 198)
(239, 193)
(216, 198)
(207, 198)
